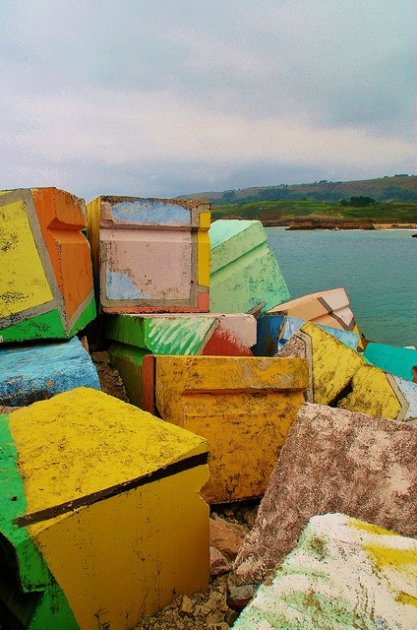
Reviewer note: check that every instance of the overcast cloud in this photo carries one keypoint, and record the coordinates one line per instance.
(167, 97)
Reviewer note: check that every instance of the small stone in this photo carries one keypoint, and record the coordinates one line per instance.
(215, 618)
(228, 512)
(226, 537)
(187, 606)
(231, 616)
(218, 563)
(219, 626)
(202, 610)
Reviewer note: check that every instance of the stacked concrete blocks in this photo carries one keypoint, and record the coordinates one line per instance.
(244, 274)
(135, 336)
(243, 406)
(46, 283)
(151, 255)
(101, 521)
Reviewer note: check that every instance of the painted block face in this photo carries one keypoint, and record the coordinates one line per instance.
(114, 535)
(344, 573)
(46, 284)
(244, 273)
(37, 372)
(135, 336)
(243, 406)
(274, 331)
(398, 361)
(334, 461)
(329, 308)
(152, 255)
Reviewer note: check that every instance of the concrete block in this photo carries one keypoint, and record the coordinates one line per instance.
(151, 255)
(398, 361)
(102, 522)
(330, 308)
(243, 406)
(46, 283)
(344, 573)
(37, 372)
(244, 274)
(274, 331)
(135, 336)
(333, 461)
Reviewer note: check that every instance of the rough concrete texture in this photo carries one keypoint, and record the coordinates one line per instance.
(226, 537)
(243, 406)
(344, 573)
(244, 274)
(398, 361)
(46, 284)
(274, 331)
(151, 255)
(333, 461)
(37, 372)
(101, 510)
(134, 336)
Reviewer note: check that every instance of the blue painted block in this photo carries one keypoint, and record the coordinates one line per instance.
(275, 330)
(393, 359)
(31, 373)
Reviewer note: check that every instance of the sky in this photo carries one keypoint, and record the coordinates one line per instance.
(159, 98)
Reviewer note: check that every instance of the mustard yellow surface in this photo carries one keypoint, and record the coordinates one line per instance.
(125, 557)
(334, 364)
(93, 223)
(203, 249)
(243, 406)
(83, 441)
(372, 393)
(23, 283)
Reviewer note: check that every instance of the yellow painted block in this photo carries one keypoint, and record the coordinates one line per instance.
(205, 219)
(203, 258)
(23, 283)
(243, 406)
(113, 504)
(372, 393)
(333, 364)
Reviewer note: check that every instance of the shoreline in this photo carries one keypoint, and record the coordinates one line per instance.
(340, 225)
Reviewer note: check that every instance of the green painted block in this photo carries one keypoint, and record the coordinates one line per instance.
(392, 359)
(46, 326)
(244, 274)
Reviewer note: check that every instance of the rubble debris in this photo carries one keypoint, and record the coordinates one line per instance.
(45, 258)
(151, 255)
(93, 489)
(343, 573)
(333, 461)
(226, 537)
(243, 406)
(244, 273)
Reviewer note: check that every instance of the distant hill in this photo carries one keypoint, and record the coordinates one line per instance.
(399, 188)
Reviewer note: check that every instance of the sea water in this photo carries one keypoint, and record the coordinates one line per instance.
(378, 269)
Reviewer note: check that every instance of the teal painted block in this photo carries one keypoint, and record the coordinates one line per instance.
(393, 359)
(244, 273)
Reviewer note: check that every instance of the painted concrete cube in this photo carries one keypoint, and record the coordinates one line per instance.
(151, 255)
(244, 274)
(37, 372)
(101, 521)
(46, 280)
(344, 573)
(135, 336)
(243, 406)
(399, 361)
(333, 461)
(340, 377)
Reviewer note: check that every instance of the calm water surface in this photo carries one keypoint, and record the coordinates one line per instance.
(377, 268)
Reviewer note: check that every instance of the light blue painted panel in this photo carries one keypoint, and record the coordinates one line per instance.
(30, 373)
(409, 391)
(145, 212)
(120, 286)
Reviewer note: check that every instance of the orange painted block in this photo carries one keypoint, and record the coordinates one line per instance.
(243, 406)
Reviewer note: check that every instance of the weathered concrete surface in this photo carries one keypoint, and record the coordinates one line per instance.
(46, 284)
(135, 336)
(243, 406)
(101, 499)
(37, 372)
(344, 573)
(226, 537)
(330, 308)
(274, 331)
(244, 273)
(339, 377)
(151, 255)
(333, 461)
(398, 361)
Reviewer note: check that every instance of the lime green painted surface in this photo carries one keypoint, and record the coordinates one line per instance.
(87, 316)
(52, 610)
(46, 326)
(128, 361)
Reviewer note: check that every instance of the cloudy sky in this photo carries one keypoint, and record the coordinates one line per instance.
(167, 97)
